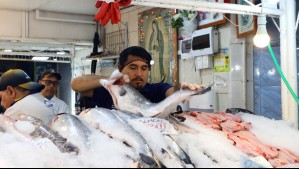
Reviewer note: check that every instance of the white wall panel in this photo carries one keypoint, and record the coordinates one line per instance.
(11, 23)
(59, 30)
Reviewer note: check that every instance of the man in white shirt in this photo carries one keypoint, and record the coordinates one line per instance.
(50, 79)
(15, 88)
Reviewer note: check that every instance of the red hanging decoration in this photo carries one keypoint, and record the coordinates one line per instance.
(110, 10)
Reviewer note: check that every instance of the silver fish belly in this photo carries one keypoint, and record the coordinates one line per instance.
(41, 130)
(71, 128)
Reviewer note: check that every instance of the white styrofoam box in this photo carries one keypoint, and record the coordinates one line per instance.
(207, 76)
(221, 102)
(237, 59)
(202, 102)
(250, 95)
(221, 82)
(198, 62)
(187, 71)
(185, 106)
(207, 61)
(237, 94)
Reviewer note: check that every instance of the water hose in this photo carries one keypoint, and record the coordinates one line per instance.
(282, 75)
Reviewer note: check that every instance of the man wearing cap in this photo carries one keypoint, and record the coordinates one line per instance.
(16, 87)
(50, 79)
(136, 63)
(2, 109)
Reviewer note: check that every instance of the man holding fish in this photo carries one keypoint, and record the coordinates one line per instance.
(134, 65)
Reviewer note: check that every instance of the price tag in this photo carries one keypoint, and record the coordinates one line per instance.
(162, 125)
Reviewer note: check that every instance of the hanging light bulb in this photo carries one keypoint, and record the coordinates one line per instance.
(261, 38)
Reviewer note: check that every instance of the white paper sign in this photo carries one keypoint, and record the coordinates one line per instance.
(256, 162)
(161, 125)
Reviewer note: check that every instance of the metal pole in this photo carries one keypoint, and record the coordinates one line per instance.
(208, 6)
(289, 60)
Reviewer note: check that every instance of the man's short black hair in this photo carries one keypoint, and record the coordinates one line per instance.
(137, 52)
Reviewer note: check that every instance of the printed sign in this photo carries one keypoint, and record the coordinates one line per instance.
(221, 63)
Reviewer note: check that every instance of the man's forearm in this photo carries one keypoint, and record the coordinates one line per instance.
(85, 83)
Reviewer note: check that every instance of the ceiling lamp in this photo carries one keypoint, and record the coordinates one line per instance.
(261, 39)
(273, 1)
(37, 58)
(7, 50)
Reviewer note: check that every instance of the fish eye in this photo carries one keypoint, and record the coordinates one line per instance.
(122, 92)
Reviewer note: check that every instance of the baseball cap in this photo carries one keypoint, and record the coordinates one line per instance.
(50, 73)
(17, 77)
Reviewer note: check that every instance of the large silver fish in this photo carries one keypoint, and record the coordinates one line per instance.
(7, 125)
(73, 129)
(108, 122)
(172, 154)
(178, 150)
(126, 98)
(41, 130)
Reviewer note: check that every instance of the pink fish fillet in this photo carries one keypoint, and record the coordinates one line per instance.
(245, 146)
(287, 155)
(202, 118)
(266, 151)
(230, 116)
(277, 162)
(211, 118)
(201, 121)
(218, 116)
(232, 126)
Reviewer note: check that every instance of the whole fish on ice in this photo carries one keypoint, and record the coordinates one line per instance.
(165, 147)
(107, 121)
(8, 125)
(126, 98)
(41, 130)
(178, 150)
(73, 129)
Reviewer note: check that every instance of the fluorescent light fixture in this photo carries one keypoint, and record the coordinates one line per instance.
(60, 53)
(273, 1)
(7, 50)
(261, 39)
(40, 58)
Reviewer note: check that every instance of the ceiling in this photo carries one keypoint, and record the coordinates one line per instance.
(66, 6)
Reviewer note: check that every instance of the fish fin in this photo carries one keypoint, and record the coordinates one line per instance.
(148, 160)
(205, 90)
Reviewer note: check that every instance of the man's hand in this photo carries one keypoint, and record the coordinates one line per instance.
(191, 86)
(116, 78)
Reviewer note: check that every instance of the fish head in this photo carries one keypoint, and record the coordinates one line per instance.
(116, 87)
(31, 119)
(84, 112)
(58, 121)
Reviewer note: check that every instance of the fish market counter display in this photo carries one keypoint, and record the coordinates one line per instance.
(110, 138)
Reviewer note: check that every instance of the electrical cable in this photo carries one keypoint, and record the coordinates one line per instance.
(282, 75)
(253, 20)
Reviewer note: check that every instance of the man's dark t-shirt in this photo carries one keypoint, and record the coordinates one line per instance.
(155, 93)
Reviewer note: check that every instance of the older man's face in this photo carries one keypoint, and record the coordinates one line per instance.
(7, 97)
